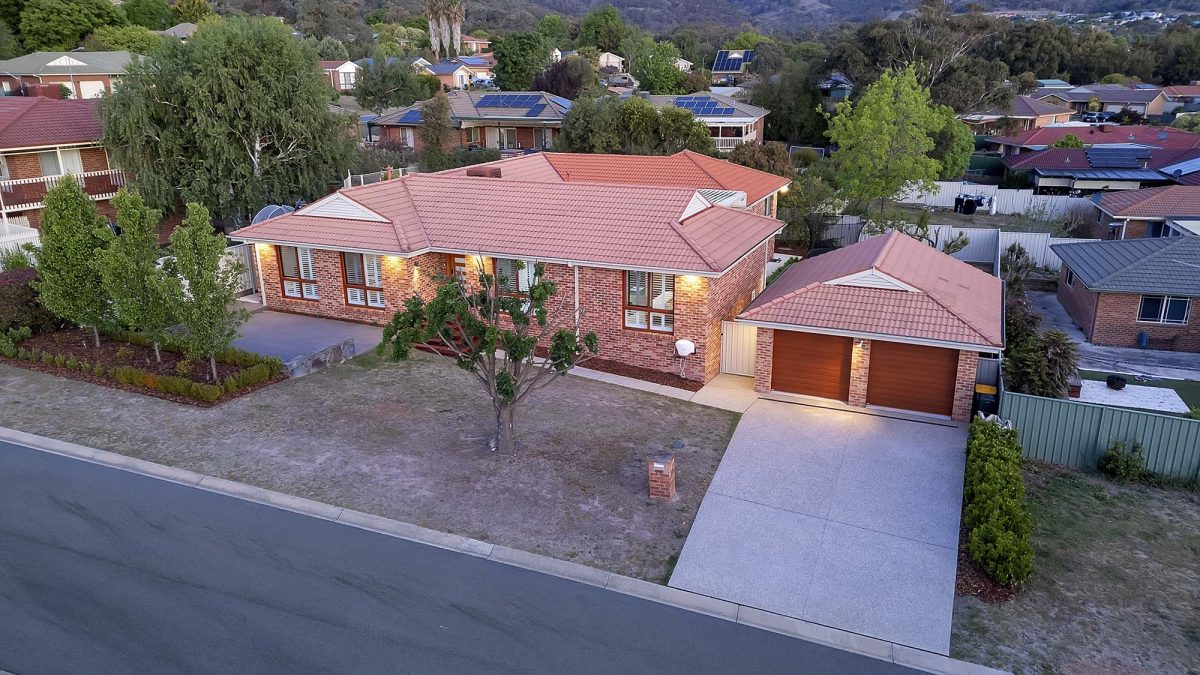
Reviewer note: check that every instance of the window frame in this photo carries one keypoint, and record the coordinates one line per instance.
(1070, 277)
(1165, 303)
(648, 308)
(529, 265)
(364, 287)
(301, 280)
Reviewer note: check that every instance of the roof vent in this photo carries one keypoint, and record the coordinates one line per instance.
(484, 171)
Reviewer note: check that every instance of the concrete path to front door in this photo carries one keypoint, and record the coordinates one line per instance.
(839, 518)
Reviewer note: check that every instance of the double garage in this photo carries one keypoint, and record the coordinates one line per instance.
(899, 375)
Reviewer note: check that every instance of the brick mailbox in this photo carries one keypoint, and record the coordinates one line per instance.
(662, 476)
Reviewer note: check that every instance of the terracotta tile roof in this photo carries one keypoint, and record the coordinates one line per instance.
(27, 122)
(1182, 90)
(1077, 158)
(684, 169)
(1155, 137)
(950, 301)
(1163, 202)
(619, 225)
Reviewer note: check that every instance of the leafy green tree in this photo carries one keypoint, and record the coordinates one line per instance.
(794, 101)
(206, 287)
(136, 39)
(234, 118)
(519, 59)
(568, 77)
(494, 335)
(69, 283)
(10, 45)
(152, 14)
(332, 49)
(434, 133)
(771, 157)
(398, 40)
(388, 82)
(59, 25)
(1041, 365)
(10, 13)
(1068, 141)
(746, 40)
(602, 29)
(657, 71)
(192, 11)
(953, 145)
(678, 129)
(1039, 47)
(1177, 55)
(884, 140)
(631, 126)
(1188, 123)
(554, 30)
(142, 293)
(695, 81)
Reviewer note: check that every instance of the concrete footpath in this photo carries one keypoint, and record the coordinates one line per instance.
(111, 571)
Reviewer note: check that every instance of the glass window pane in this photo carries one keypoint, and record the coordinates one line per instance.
(49, 163)
(1177, 310)
(636, 319)
(72, 161)
(288, 261)
(662, 291)
(354, 269)
(662, 322)
(1151, 308)
(636, 291)
(506, 274)
(307, 271)
(374, 271)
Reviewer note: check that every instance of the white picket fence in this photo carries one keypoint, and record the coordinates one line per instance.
(987, 245)
(1004, 201)
(13, 235)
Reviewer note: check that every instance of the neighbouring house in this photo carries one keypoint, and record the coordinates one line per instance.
(343, 75)
(451, 74)
(474, 45)
(1021, 114)
(182, 31)
(652, 269)
(1182, 98)
(1144, 99)
(730, 122)
(512, 120)
(1172, 211)
(84, 74)
(481, 67)
(43, 139)
(889, 322)
(730, 65)
(834, 89)
(610, 63)
(684, 65)
(1084, 171)
(1166, 138)
(1133, 293)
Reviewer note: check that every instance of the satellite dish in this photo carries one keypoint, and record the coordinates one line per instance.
(270, 211)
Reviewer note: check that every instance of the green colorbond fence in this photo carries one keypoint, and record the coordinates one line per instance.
(1076, 434)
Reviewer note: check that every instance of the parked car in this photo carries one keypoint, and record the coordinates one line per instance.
(483, 82)
(622, 80)
(1094, 117)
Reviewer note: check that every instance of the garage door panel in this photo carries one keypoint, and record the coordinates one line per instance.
(912, 377)
(811, 364)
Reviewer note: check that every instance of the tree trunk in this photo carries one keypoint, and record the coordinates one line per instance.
(96, 336)
(505, 440)
(157, 354)
(212, 366)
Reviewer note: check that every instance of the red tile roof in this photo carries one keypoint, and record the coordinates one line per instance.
(1155, 137)
(1182, 90)
(1076, 158)
(333, 65)
(949, 301)
(38, 121)
(1162, 202)
(684, 169)
(620, 225)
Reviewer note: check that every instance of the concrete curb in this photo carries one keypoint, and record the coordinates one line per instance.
(694, 602)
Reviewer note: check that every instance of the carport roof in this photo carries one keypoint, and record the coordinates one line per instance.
(889, 286)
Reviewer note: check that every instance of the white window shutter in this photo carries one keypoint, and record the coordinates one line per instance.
(306, 263)
(354, 296)
(375, 298)
(374, 271)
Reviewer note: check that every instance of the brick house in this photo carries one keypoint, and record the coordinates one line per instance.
(1171, 211)
(888, 322)
(42, 139)
(730, 122)
(343, 75)
(514, 120)
(644, 266)
(1021, 114)
(85, 74)
(1121, 293)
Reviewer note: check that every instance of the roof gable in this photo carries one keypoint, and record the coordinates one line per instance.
(28, 122)
(338, 205)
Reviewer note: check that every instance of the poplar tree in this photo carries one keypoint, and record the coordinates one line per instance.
(69, 282)
(141, 291)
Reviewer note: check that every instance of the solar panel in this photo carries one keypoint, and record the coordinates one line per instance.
(728, 61)
(509, 100)
(410, 117)
(536, 110)
(1117, 158)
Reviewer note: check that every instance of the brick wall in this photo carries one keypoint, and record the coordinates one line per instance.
(1136, 229)
(763, 354)
(1116, 325)
(1079, 302)
(94, 159)
(728, 296)
(398, 275)
(24, 165)
(964, 385)
(860, 368)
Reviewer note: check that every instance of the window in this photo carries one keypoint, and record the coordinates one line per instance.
(650, 301)
(363, 279)
(473, 135)
(508, 139)
(297, 272)
(348, 78)
(71, 162)
(514, 276)
(1070, 277)
(1164, 309)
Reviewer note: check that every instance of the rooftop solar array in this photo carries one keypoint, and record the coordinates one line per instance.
(1117, 158)
(536, 110)
(410, 117)
(704, 106)
(732, 60)
(509, 101)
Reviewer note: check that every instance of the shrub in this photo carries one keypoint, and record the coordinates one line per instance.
(780, 270)
(12, 337)
(184, 368)
(994, 514)
(19, 304)
(47, 358)
(1123, 464)
(98, 370)
(15, 259)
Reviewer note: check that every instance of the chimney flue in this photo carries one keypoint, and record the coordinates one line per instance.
(484, 171)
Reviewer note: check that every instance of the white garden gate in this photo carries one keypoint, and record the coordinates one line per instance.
(738, 342)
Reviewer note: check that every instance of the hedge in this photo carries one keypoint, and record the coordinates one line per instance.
(995, 515)
(19, 305)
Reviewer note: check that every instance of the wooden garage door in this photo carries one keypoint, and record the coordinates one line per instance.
(811, 364)
(912, 377)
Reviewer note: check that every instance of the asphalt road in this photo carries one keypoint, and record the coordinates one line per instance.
(104, 571)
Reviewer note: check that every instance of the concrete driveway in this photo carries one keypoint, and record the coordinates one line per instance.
(840, 518)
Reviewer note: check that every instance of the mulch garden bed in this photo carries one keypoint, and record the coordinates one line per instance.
(973, 581)
(646, 374)
(79, 343)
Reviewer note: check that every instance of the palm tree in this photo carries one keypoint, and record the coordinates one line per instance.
(455, 13)
(433, 12)
(445, 25)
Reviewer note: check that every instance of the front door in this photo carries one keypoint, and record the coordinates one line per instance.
(457, 266)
